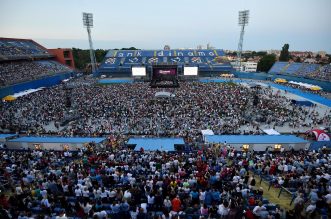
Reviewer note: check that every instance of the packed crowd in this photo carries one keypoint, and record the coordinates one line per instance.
(133, 109)
(305, 173)
(323, 73)
(20, 71)
(308, 90)
(10, 48)
(120, 183)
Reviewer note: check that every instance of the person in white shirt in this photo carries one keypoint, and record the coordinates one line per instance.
(223, 209)
(43, 193)
(78, 192)
(202, 195)
(44, 202)
(62, 215)
(311, 208)
(328, 198)
(86, 207)
(101, 214)
(298, 199)
(258, 209)
(127, 195)
(167, 203)
(19, 190)
(150, 200)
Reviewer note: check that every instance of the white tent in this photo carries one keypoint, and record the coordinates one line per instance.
(206, 132)
(271, 132)
(164, 94)
(304, 84)
(26, 92)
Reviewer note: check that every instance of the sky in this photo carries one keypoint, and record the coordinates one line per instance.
(151, 24)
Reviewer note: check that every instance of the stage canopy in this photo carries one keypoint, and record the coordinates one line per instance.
(271, 132)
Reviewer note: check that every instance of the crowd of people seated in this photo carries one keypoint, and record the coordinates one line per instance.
(324, 73)
(308, 90)
(133, 109)
(214, 182)
(10, 48)
(305, 173)
(20, 71)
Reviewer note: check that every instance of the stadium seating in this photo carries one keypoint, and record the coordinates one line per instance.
(20, 71)
(323, 73)
(19, 47)
(314, 71)
(278, 67)
(293, 68)
(307, 68)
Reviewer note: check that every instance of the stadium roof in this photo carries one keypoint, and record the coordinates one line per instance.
(255, 139)
(57, 140)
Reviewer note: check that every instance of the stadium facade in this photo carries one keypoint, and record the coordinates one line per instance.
(119, 63)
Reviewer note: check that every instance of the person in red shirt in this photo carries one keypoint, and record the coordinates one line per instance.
(249, 214)
(176, 204)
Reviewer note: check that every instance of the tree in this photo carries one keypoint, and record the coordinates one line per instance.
(266, 62)
(261, 53)
(82, 57)
(298, 59)
(329, 56)
(284, 54)
(100, 55)
(318, 57)
(130, 48)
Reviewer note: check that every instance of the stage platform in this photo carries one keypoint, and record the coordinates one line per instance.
(52, 143)
(259, 142)
(153, 144)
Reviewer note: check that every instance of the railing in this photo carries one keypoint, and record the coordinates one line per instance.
(270, 182)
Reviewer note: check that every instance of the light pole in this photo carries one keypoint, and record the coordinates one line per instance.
(88, 23)
(243, 21)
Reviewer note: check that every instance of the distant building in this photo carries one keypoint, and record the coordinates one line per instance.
(321, 53)
(249, 66)
(209, 46)
(310, 60)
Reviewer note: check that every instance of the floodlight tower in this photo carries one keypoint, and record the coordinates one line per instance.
(243, 21)
(88, 23)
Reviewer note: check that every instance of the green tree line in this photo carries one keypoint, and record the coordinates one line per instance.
(82, 56)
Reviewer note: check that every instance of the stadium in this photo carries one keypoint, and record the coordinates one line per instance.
(162, 133)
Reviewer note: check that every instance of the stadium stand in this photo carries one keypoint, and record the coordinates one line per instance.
(292, 68)
(119, 63)
(278, 67)
(16, 72)
(24, 60)
(307, 68)
(14, 48)
(323, 73)
(313, 71)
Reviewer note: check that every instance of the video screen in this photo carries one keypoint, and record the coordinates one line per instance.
(190, 70)
(138, 71)
(165, 72)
